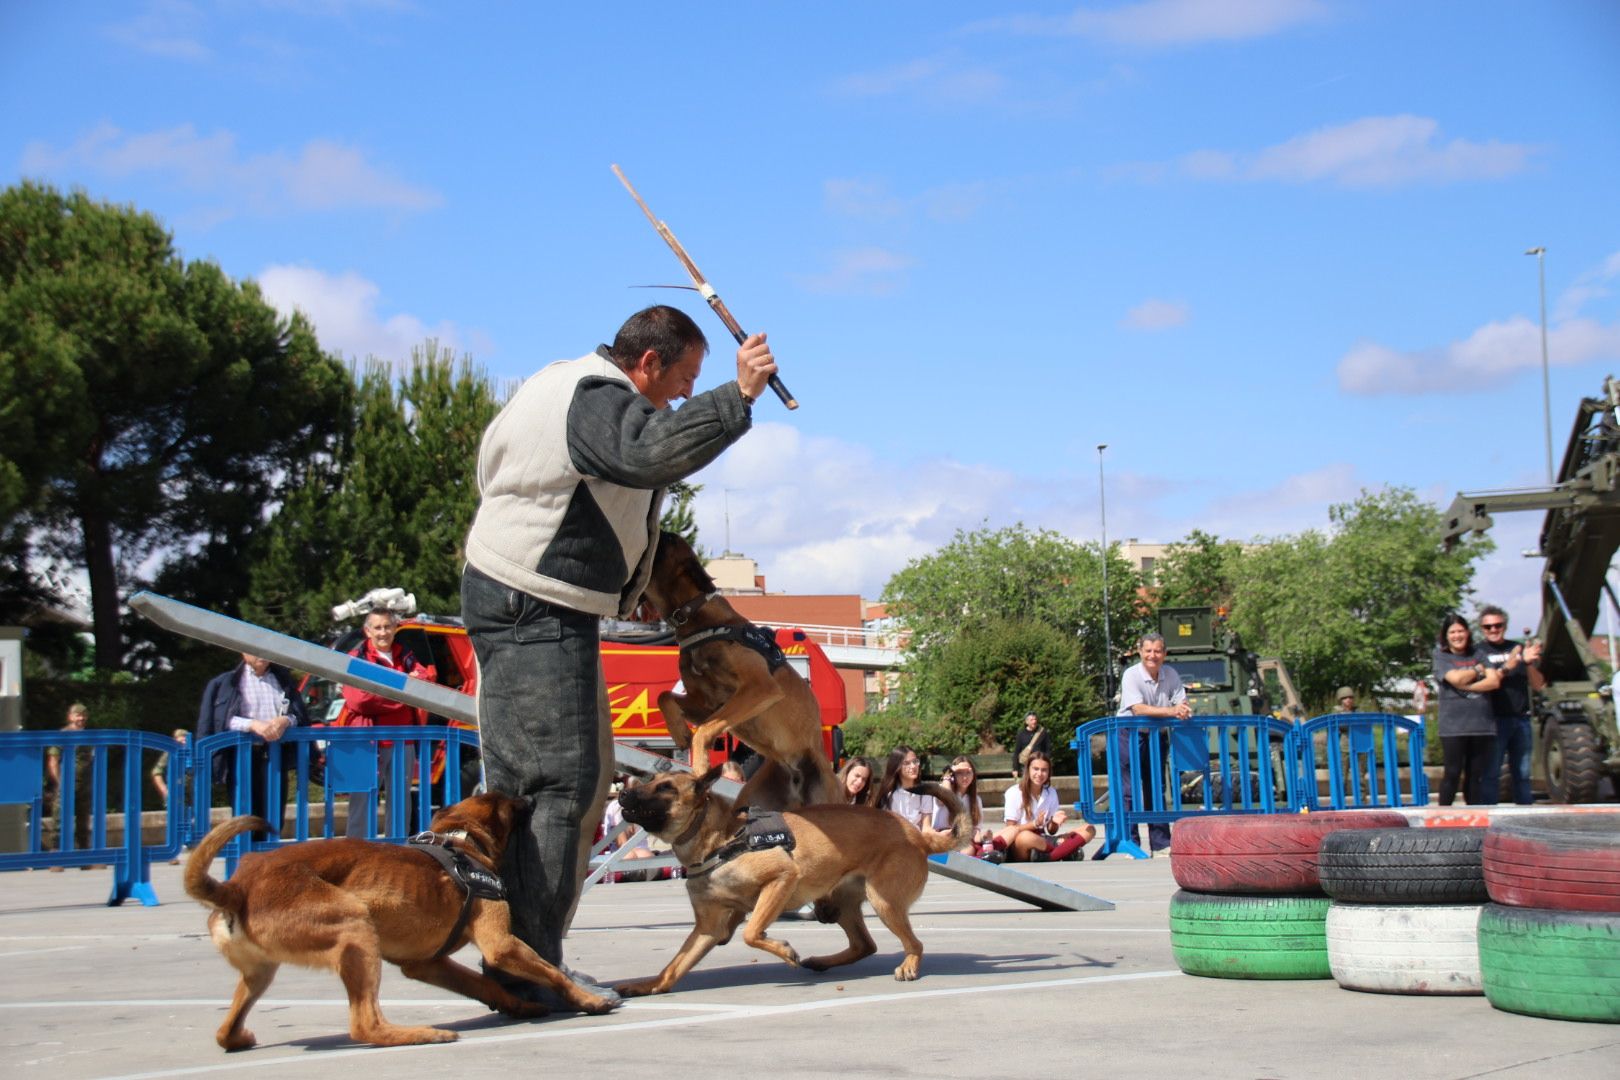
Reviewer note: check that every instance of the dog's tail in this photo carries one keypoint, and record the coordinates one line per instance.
(961, 833)
(204, 889)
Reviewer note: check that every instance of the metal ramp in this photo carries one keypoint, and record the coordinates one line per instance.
(239, 636)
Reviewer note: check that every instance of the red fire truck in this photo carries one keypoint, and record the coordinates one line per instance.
(639, 660)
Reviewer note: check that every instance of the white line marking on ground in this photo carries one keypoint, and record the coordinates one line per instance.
(36, 952)
(614, 1030)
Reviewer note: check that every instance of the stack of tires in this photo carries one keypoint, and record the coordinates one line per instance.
(1549, 943)
(1251, 904)
(1405, 912)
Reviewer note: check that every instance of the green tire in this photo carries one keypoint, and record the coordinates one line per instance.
(1564, 965)
(1250, 937)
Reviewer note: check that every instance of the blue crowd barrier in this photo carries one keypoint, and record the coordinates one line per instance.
(22, 782)
(1162, 770)
(1362, 755)
(344, 761)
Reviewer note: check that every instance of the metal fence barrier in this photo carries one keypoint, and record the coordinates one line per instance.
(1364, 762)
(424, 765)
(1161, 771)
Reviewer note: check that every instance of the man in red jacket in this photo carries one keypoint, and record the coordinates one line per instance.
(366, 709)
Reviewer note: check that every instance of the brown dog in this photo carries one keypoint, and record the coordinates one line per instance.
(349, 905)
(838, 851)
(733, 688)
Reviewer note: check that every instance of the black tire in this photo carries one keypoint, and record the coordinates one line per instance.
(1572, 761)
(1564, 965)
(1404, 866)
(1563, 862)
(1250, 937)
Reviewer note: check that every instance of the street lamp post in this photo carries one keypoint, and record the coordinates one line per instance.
(1108, 639)
(1546, 389)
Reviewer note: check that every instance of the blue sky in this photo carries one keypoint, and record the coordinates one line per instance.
(1269, 251)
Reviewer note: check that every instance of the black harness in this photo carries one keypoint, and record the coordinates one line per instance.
(763, 830)
(761, 639)
(473, 880)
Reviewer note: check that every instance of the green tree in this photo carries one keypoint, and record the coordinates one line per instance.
(1199, 571)
(677, 517)
(990, 586)
(1359, 605)
(392, 507)
(153, 409)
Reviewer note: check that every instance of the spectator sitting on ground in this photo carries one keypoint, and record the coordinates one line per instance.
(1033, 819)
(902, 773)
(963, 780)
(732, 771)
(855, 781)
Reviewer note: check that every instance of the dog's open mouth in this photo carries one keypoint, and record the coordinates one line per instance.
(649, 817)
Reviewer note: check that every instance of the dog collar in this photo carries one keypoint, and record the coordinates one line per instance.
(764, 829)
(683, 614)
(761, 639)
(473, 880)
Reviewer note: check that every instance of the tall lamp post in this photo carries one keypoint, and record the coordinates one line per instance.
(1546, 390)
(1108, 639)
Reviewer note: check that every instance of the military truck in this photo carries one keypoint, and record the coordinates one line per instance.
(1223, 678)
(1577, 744)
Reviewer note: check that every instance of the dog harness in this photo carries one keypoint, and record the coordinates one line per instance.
(761, 639)
(473, 880)
(763, 830)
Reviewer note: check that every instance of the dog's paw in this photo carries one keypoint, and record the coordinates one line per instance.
(596, 1005)
(638, 988)
(814, 963)
(242, 1040)
(525, 1010)
(907, 971)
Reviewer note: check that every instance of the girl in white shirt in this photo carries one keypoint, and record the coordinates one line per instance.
(1033, 818)
(903, 772)
(963, 779)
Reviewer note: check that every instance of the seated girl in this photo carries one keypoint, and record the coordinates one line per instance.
(1033, 819)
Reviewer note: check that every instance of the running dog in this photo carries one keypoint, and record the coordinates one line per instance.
(738, 682)
(778, 862)
(349, 905)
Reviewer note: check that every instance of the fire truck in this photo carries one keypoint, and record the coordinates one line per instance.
(639, 661)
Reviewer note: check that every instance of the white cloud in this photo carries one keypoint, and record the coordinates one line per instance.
(944, 78)
(321, 175)
(1375, 151)
(1485, 358)
(1592, 285)
(869, 199)
(1161, 23)
(170, 29)
(344, 310)
(1156, 314)
(867, 271)
(824, 516)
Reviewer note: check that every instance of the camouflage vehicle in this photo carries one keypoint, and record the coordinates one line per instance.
(1223, 678)
(1577, 744)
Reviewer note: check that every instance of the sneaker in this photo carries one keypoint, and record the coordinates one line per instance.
(994, 857)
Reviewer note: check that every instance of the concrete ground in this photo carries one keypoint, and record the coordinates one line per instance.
(1007, 990)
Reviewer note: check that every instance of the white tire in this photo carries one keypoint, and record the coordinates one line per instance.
(1405, 949)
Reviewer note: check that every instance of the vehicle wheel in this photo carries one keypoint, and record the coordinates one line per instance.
(1250, 937)
(1261, 853)
(1570, 757)
(1565, 862)
(1404, 866)
(1405, 949)
(1564, 965)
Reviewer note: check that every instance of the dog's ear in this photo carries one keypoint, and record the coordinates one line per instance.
(707, 781)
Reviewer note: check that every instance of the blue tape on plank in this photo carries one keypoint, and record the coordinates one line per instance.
(365, 669)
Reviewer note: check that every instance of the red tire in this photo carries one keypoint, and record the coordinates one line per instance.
(1562, 862)
(1261, 853)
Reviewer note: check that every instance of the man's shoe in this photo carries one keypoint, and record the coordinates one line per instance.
(530, 991)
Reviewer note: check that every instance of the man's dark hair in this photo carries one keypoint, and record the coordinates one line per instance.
(1492, 609)
(667, 331)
